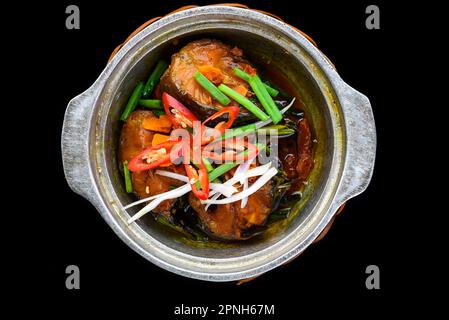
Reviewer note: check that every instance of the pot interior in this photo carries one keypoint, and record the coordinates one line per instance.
(279, 56)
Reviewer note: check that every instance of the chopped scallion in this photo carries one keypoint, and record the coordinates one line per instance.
(265, 99)
(243, 101)
(151, 103)
(132, 102)
(208, 165)
(211, 88)
(158, 113)
(243, 75)
(154, 78)
(128, 182)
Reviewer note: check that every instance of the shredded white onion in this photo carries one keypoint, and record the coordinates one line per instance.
(261, 124)
(227, 190)
(259, 183)
(244, 180)
(259, 170)
(242, 169)
(254, 172)
(214, 197)
(161, 197)
(244, 200)
(172, 175)
(223, 189)
(239, 175)
(168, 193)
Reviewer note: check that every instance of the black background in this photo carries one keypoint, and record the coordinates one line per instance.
(327, 277)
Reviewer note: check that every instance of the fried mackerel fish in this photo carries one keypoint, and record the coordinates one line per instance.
(216, 61)
(133, 140)
(211, 83)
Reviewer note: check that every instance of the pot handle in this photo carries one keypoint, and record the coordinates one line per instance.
(74, 144)
(361, 144)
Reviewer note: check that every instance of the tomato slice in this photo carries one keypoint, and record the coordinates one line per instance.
(209, 134)
(153, 157)
(199, 180)
(180, 116)
(235, 149)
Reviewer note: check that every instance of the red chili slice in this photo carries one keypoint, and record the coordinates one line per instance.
(198, 176)
(152, 157)
(180, 116)
(235, 150)
(209, 134)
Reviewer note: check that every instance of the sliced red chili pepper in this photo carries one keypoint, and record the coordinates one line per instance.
(180, 116)
(235, 150)
(152, 157)
(209, 134)
(199, 180)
